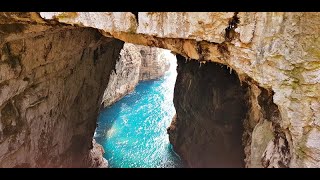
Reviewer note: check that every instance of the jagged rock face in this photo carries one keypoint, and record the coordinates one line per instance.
(96, 156)
(136, 63)
(211, 106)
(51, 86)
(262, 131)
(154, 64)
(125, 76)
(277, 50)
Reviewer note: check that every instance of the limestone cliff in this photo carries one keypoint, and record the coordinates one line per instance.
(51, 83)
(125, 76)
(275, 54)
(136, 63)
(154, 63)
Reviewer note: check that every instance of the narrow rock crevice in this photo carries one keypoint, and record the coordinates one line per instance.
(136, 15)
(265, 142)
(230, 34)
(277, 153)
(230, 30)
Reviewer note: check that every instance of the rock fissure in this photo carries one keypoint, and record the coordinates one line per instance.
(230, 30)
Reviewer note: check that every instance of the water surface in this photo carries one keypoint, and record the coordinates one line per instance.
(133, 130)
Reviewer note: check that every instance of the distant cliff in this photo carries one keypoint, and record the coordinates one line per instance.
(153, 63)
(136, 63)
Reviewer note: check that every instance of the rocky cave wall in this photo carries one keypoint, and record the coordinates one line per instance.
(51, 83)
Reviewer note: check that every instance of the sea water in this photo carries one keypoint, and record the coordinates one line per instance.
(133, 130)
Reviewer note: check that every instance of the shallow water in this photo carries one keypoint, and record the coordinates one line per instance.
(133, 130)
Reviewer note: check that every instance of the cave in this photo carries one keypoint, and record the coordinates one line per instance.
(55, 67)
(211, 105)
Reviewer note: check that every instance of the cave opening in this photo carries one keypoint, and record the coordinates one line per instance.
(132, 127)
(211, 105)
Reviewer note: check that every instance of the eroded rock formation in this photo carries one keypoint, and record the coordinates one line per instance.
(51, 85)
(276, 54)
(136, 63)
(96, 156)
(125, 76)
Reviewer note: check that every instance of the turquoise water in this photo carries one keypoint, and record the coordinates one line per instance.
(133, 130)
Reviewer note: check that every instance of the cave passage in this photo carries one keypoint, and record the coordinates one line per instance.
(133, 130)
(211, 105)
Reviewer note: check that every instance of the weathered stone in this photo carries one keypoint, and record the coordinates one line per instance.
(96, 156)
(154, 63)
(125, 76)
(261, 136)
(49, 97)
